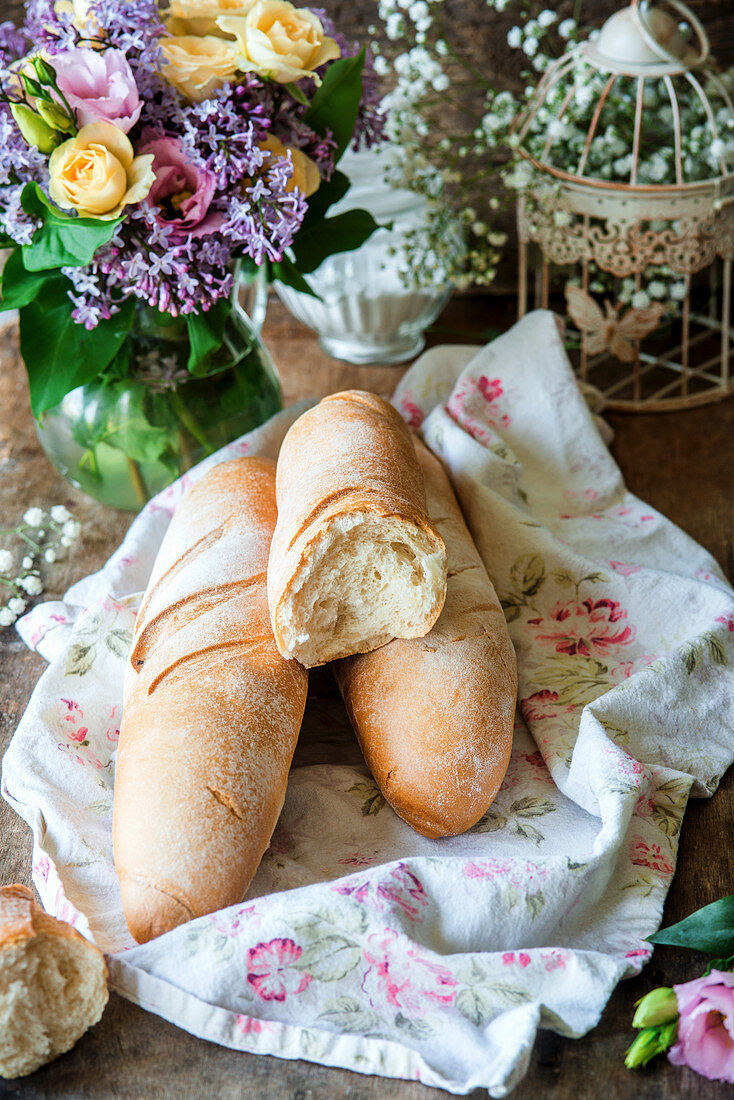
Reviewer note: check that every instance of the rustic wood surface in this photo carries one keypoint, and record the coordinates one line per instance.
(680, 463)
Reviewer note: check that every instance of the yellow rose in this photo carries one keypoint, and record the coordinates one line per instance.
(97, 173)
(199, 17)
(305, 173)
(279, 41)
(198, 66)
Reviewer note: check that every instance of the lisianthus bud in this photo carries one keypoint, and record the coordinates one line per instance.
(657, 1007)
(650, 1042)
(56, 117)
(34, 129)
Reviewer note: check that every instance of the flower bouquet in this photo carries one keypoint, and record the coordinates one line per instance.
(153, 163)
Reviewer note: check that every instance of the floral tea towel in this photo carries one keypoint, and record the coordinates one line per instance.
(361, 944)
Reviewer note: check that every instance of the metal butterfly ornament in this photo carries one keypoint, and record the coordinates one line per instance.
(604, 330)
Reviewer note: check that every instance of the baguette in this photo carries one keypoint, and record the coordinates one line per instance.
(355, 560)
(434, 716)
(211, 711)
(53, 984)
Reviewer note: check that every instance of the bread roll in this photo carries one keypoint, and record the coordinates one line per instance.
(434, 716)
(355, 560)
(211, 711)
(53, 984)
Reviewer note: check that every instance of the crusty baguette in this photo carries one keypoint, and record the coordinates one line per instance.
(211, 711)
(53, 984)
(434, 715)
(355, 560)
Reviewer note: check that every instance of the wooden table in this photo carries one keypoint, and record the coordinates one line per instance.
(681, 463)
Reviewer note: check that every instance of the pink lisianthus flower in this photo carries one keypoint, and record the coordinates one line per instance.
(100, 86)
(182, 190)
(706, 1026)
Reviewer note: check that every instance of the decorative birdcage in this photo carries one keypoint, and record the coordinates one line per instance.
(626, 208)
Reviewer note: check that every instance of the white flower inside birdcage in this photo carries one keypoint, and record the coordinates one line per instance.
(626, 207)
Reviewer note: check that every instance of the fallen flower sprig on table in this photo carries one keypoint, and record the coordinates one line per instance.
(693, 1021)
(43, 535)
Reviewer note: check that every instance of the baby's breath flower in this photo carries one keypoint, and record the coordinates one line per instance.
(72, 528)
(49, 555)
(514, 38)
(31, 584)
(6, 561)
(17, 605)
(7, 618)
(27, 562)
(33, 517)
(641, 299)
(60, 513)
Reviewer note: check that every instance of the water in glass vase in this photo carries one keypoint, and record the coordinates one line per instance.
(125, 436)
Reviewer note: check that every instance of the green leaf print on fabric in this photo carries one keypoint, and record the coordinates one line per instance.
(329, 959)
(417, 1029)
(79, 658)
(528, 574)
(475, 1006)
(368, 790)
(577, 680)
(708, 647)
(347, 1014)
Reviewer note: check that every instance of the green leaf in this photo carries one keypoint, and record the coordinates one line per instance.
(330, 192)
(19, 287)
(299, 95)
(342, 233)
(329, 959)
(710, 929)
(287, 272)
(206, 333)
(528, 573)
(60, 355)
(61, 241)
(335, 105)
(528, 832)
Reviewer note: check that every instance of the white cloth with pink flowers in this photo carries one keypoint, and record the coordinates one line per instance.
(361, 944)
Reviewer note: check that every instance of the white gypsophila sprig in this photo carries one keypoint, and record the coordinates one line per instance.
(43, 536)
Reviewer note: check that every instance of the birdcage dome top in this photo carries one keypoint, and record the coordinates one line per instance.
(638, 106)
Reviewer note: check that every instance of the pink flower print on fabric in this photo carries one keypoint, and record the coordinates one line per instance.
(270, 970)
(727, 620)
(521, 959)
(411, 411)
(404, 979)
(356, 859)
(651, 856)
(474, 405)
(591, 628)
(625, 568)
(400, 888)
(540, 705)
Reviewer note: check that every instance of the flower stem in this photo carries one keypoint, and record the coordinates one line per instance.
(189, 422)
(136, 478)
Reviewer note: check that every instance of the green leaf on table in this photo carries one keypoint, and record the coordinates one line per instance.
(61, 240)
(342, 233)
(710, 929)
(19, 286)
(59, 354)
(335, 105)
(206, 333)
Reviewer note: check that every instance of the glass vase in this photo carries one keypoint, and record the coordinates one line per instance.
(126, 435)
